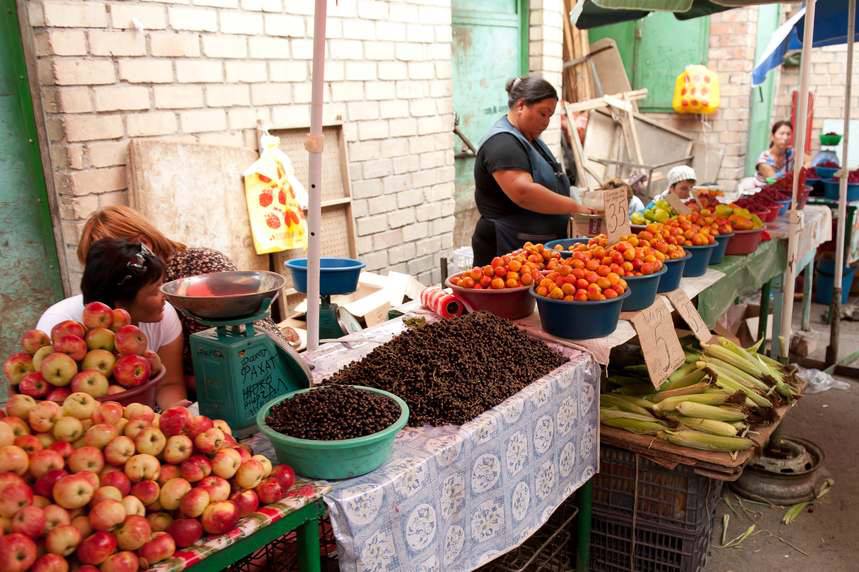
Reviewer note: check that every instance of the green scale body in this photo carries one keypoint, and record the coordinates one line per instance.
(238, 370)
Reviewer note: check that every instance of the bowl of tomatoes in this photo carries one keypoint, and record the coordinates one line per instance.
(502, 286)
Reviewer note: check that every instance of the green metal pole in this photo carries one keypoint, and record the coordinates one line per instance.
(808, 279)
(583, 545)
(308, 546)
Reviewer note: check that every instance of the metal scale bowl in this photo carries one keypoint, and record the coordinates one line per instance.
(237, 368)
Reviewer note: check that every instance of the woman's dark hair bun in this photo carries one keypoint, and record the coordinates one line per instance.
(530, 88)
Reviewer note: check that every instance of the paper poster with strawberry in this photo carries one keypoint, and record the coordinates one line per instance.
(276, 201)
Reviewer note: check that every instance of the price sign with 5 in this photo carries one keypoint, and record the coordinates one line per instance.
(659, 344)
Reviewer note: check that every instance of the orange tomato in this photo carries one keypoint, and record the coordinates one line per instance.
(512, 283)
(497, 283)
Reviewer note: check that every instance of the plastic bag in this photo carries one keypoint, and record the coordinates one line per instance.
(696, 90)
(820, 381)
(275, 199)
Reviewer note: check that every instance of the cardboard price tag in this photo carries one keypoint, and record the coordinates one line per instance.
(678, 205)
(690, 315)
(659, 344)
(616, 214)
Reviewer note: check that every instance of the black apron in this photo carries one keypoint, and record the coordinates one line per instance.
(500, 235)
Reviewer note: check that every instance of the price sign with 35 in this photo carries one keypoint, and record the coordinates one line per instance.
(659, 344)
(616, 214)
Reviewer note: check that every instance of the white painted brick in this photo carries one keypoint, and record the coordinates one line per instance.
(102, 43)
(92, 127)
(388, 239)
(446, 243)
(238, 22)
(36, 15)
(73, 100)
(426, 212)
(227, 95)
(347, 91)
(269, 48)
(243, 118)
(379, 50)
(173, 44)
(421, 264)
(178, 96)
(302, 92)
(151, 17)
(432, 160)
(395, 147)
(371, 225)
(360, 71)
(441, 89)
(378, 205)
(271, 93)
(150, 123)
(364, 150)
(335, 71)
(420, 145)
(225, 46)
(263, 5)
(423, 107)
(288, 71)
(434, 124)
(146, 70)
(401, 253)
(402, 12)
(409, 198)
(440, 52)
(403, 127)
(82, 72)
(374, 129)
(61, 43)
(356, 29)
(333, 27)
(194, 19)
(393, 109)
(301, 49)
(285, 25)
(375, 260)
(360, 110)
(440, 192)
(401, 217)
(420, 32)
(415, 230)
(217, 3)
(422, 70)
(342, 9)
(442, 225)
(413, 89)
(393, 70)
(107, 153)
(410, 51)
(74, 14)
(392, 31)
(367, 189)
(377, 168)
(428, 246)
(345, 49)
(246, 72)
(373, 10)
(203, 120)
(443, 34)
(199, 71)
(381, 90)
(360, 209)
(407, 164)
(121, 97)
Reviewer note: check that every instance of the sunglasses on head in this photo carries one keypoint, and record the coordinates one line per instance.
(137, 264)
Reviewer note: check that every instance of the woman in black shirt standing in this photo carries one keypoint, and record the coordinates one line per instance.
(521, 191)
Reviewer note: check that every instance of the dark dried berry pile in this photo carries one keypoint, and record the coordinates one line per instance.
(333, 413)
(451, 371)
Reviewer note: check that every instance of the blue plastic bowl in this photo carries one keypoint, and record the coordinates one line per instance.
(824, 282)
(565, 243)
(826, 172)
(336, 275)
(643, 290)
(831, 190)
(784, 206)
(722, 241)
(697, 265)
(579, 320)
(673, 273)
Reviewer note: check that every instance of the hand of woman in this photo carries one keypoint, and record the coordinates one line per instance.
(577, 208)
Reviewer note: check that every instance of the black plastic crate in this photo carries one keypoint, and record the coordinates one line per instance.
(617, 546)
(629, 484)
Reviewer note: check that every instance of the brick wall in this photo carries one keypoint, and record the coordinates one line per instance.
(205, 71)
(545, 56)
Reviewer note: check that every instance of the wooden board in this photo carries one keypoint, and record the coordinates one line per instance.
(607, 63)
(194, 194)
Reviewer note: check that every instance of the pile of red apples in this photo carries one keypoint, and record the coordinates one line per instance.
(95, 486)
(103, 356)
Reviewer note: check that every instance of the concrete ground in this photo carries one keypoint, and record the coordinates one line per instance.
(828, 533)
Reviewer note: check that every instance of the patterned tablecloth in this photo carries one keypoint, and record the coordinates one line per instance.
(300, 495)
(453, 498)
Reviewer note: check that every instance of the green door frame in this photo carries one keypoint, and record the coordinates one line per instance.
(761, 99)
(11, 47)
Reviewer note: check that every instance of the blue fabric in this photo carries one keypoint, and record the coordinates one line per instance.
(830, 29)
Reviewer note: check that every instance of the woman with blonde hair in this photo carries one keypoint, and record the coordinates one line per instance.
(181, 261)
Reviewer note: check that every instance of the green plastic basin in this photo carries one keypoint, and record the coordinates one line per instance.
(332, 460)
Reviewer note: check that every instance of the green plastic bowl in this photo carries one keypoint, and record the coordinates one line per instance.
(332, 460)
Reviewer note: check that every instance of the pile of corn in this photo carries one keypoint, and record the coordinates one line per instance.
(704, 404)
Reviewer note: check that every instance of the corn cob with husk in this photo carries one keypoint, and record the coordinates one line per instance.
(705, 425)
(626, 403)
(633, 422)
(689, 390)
(704, 411)
(707, 442)
(709, 397)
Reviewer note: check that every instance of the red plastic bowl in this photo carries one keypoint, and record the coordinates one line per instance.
(744, 242)
(145, 393)
(509, 303)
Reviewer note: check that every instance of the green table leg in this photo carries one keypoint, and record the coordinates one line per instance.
(583, 544)
(806, 296)
(778, 298)
(765, 312)
(308, 546)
